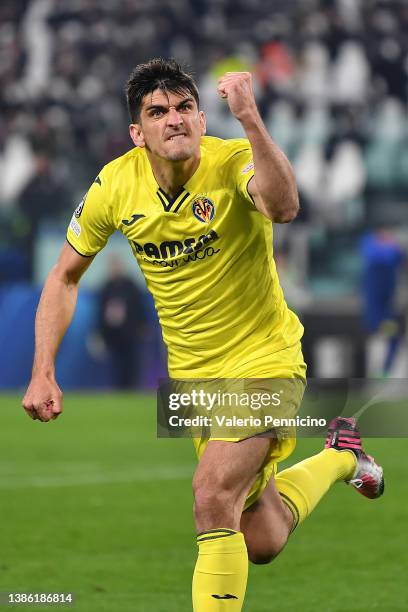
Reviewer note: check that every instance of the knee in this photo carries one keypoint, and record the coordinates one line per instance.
(267, 551)
(213, 504)
(261, 557)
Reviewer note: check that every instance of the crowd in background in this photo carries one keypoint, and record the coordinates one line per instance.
(330, 78)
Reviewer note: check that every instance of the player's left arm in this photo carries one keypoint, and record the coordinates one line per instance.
(273, 186)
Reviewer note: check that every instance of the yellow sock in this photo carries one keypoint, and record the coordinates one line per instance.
(221, 571)
(303, 485)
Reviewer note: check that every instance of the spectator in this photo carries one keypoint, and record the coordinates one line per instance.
(122, 324)
(43, 198)
(383, 258)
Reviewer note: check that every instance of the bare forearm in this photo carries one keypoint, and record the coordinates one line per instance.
(274, 177)
(54, 314)
(43, 399)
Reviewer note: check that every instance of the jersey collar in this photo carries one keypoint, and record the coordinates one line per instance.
(191, 186)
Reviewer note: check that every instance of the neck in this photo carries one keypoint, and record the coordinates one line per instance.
(172, 175)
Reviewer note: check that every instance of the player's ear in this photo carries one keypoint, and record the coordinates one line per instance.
(203, 122)
(136, 134)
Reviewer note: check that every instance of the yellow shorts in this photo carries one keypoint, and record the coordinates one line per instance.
(283, 371)
(283, 439)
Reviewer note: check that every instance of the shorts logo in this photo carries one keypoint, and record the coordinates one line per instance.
(203, 209)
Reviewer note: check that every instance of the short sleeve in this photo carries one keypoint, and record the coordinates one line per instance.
(91, 224)
(241, 166)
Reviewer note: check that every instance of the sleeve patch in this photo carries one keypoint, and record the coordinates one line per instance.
(79, 208)
(75, 226)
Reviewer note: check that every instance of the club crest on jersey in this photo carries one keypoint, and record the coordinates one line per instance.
(203, 209)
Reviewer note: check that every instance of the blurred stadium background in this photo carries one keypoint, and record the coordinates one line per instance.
(94, 504)
(331, 82)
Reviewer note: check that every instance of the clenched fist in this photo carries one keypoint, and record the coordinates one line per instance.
(43, 399)
(237, 88)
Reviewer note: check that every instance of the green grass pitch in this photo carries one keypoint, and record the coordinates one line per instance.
(95, 504)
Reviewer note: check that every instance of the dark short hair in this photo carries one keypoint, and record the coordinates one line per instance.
(158, 73)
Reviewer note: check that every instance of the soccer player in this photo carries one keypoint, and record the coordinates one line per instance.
(198, 212)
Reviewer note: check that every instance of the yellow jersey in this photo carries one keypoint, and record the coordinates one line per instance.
(207, 258)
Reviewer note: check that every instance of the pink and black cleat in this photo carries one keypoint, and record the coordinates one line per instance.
(368, 478)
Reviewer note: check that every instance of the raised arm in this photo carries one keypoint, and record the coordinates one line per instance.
(273, 186)
(43, 398)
